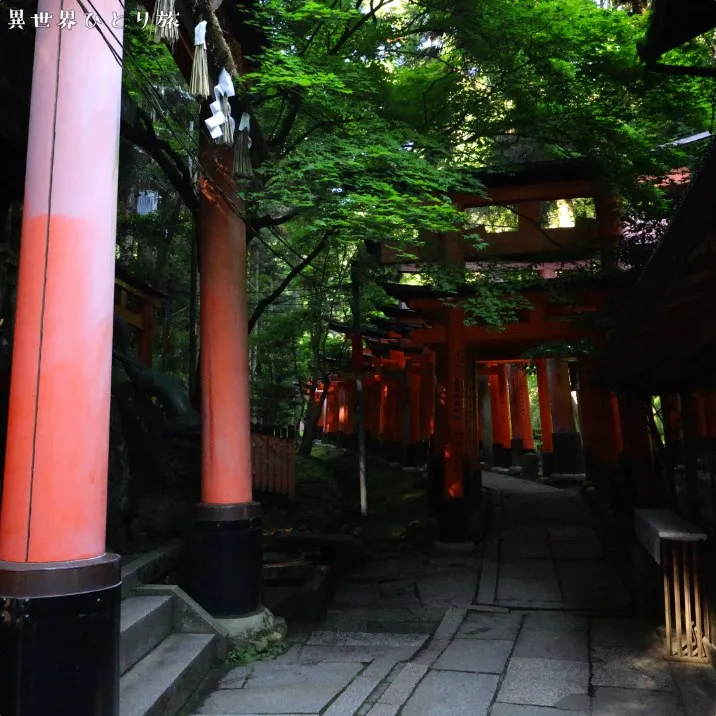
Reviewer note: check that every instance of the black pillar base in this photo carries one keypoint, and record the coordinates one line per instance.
(568, 454)
(59, 637)
(369, 443)
(530, 466)
(453, 515)
(412, 455)
(226, 559)
(517, 449)
(502, 455)
(391, 451)
(454, 520)
(547, 464)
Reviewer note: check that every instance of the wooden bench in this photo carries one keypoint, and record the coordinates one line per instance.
(673, 544)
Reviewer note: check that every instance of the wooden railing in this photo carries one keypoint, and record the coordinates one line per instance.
(273, 460)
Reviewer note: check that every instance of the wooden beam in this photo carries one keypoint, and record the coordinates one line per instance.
(527, 192)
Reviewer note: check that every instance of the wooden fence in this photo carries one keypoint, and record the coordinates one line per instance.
(273, 460)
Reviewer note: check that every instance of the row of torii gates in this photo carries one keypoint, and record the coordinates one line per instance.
(400, 412)
(452, 395)
(447, 395)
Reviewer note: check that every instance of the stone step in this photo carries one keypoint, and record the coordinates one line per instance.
(145, 621)
(162, 682)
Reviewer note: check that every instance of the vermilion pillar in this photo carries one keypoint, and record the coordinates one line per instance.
(415, 416)
(427, 406)
(545, 417)
(225, 549)
(454, 511)
(560, 397)
(567, 444)
(597, 419)
(55, 577)
(522, 438)
(321, 422)
(501, 417)
(485, 416)
(454, 451)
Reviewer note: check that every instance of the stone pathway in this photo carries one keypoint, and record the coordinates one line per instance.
(537, 625)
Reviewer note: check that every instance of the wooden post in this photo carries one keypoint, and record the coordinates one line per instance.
(454, 453)
(560, 397)
(598, 428)
(225, 548)
(501, 417)
(566, 441)
(637, 450)
(545, 411)
(59, 589)
(485, 412)
(522, 436)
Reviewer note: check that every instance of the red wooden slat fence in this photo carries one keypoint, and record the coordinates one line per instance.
(273, 460)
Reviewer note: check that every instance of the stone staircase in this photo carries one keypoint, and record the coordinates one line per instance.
(168, 646)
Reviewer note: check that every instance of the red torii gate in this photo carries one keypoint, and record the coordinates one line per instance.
(56, 578)
(443, 364)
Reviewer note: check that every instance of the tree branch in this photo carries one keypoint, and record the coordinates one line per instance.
(266, 301)
(142, 135)
(266, 222)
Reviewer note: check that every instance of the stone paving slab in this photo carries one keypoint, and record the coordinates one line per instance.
(524, 534)
(450, 623)
(696, 684)
(635, 702)
(487, 590)
(577, 550)
(544, 682)
(568, 645)
(490, 626)
(627, 668)
(591, 583)
(354, 638)
(532, 578)
(546, 621)
(310, 655)
(524, 550)
(403, 685)
(500, 709)
(446, 693)
(280, 689)
(398, 588)
(456, 587)
(573, 534)
(357, 593)
(485, 656)
(622, 632)
(524, 604)
(361, 688)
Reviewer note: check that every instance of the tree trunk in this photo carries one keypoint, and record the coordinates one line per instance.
(161, 263)
(312, 415)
